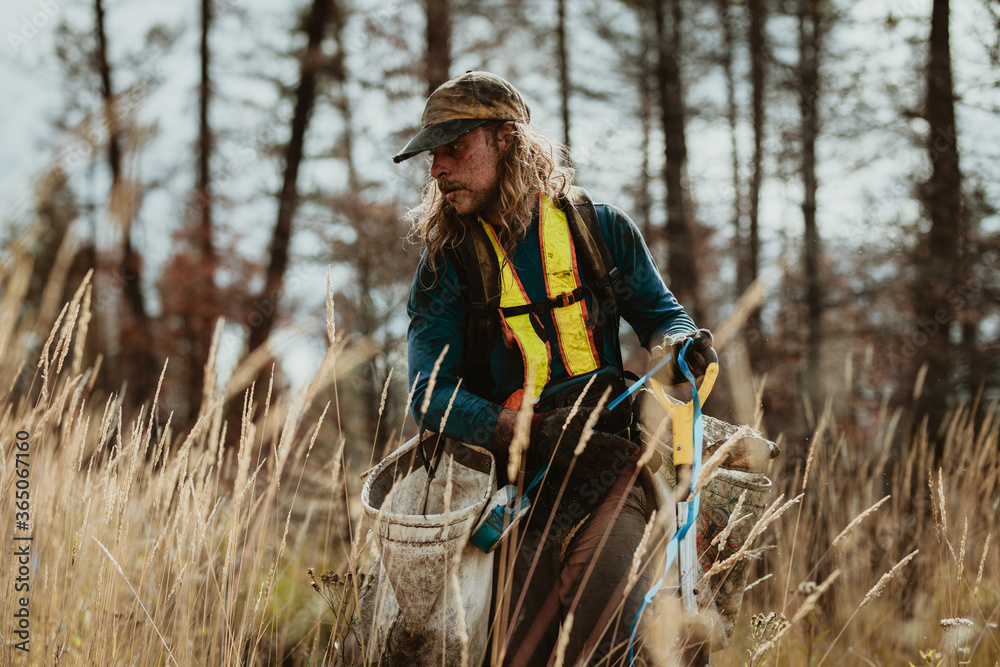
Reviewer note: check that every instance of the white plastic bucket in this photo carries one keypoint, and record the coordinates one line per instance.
(411, 612)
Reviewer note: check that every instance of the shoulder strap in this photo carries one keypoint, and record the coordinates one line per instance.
(586, 230)
(479, 269)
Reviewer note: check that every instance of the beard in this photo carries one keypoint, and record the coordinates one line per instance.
(470, 202)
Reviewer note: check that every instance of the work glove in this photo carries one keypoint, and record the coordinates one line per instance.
(550, 440)
(700, 354)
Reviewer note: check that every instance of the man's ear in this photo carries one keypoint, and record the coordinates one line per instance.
(505, 136)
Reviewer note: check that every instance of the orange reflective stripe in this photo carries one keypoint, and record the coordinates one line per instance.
(535, 352)
(562, 276)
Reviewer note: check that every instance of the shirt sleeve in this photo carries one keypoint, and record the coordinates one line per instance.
(643, 298)
(437, 311)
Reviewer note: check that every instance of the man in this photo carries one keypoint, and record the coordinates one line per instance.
(517, 301)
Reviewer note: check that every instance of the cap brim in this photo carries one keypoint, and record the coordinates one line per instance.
(433, 136)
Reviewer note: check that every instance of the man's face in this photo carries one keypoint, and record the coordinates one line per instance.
(466, 172)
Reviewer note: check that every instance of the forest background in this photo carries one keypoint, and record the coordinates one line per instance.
(213, 161)
(221, 158)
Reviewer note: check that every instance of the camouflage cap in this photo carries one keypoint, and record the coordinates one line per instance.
(462, 104)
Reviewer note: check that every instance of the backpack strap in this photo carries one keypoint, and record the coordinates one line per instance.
(592, 244)
(586, 230)
(478, 268)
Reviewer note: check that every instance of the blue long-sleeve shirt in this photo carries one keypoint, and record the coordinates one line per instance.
(438, 317)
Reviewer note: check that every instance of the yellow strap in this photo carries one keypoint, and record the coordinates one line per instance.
(534, 350)
(576, 340)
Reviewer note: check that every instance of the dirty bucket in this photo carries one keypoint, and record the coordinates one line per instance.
(410, 614)
(718, 500)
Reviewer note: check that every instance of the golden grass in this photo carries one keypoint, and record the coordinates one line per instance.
(155, 547)
(895, 542)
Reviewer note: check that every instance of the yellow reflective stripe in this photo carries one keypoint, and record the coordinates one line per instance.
(576, 340)
(534, 350)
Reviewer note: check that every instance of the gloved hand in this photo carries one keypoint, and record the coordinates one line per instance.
(698, 357)
(603, 451)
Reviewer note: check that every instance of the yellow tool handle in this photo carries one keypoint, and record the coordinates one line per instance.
(682, 415)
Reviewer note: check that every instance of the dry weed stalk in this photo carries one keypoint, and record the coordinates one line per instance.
(873, 593)
(588, 426)
(880, 585)
(718, 457)
(807, 606)
(563, 641)
(640, 553)
(522, 430)
(982, 563)
(735, 519)
(856, 521)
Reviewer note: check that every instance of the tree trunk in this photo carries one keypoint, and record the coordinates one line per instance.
(758, 58)
(305, 97)
(203, 306)
(681, 242)
(939, 253)
(646, 72)
(809, 54)
(438, 57)
(562, 57)
(203, 196)
(364, 260)
(139, 365)
(732, 116)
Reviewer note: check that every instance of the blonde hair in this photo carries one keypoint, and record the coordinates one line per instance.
(531, 165)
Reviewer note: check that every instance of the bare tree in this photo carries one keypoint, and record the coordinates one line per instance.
(810, 32)
(438, 54)
(562, 58)
(310, 66)
(725, 9)
(680, 236)
(644, 74)
(757, 10)
(135, 331)
(939, 253)
(202, 309)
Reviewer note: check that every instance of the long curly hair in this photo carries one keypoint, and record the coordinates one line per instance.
(531, 165)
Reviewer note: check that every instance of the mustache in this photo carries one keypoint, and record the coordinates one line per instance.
(445, 186)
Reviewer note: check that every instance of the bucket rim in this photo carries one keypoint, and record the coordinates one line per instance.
(455, 517)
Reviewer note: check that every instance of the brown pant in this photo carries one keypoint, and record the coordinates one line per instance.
(583, 565)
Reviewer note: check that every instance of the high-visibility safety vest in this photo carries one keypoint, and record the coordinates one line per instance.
(499, 305)
(569, 314)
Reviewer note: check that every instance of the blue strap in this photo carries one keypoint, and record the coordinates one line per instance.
(537, 479)
(692, 518)
(487, 534)
(635, 386)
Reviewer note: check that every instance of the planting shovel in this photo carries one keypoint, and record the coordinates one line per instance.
(686, 424)
(686, 421)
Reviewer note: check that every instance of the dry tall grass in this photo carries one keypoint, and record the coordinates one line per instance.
(910, 537)
(156, 547)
